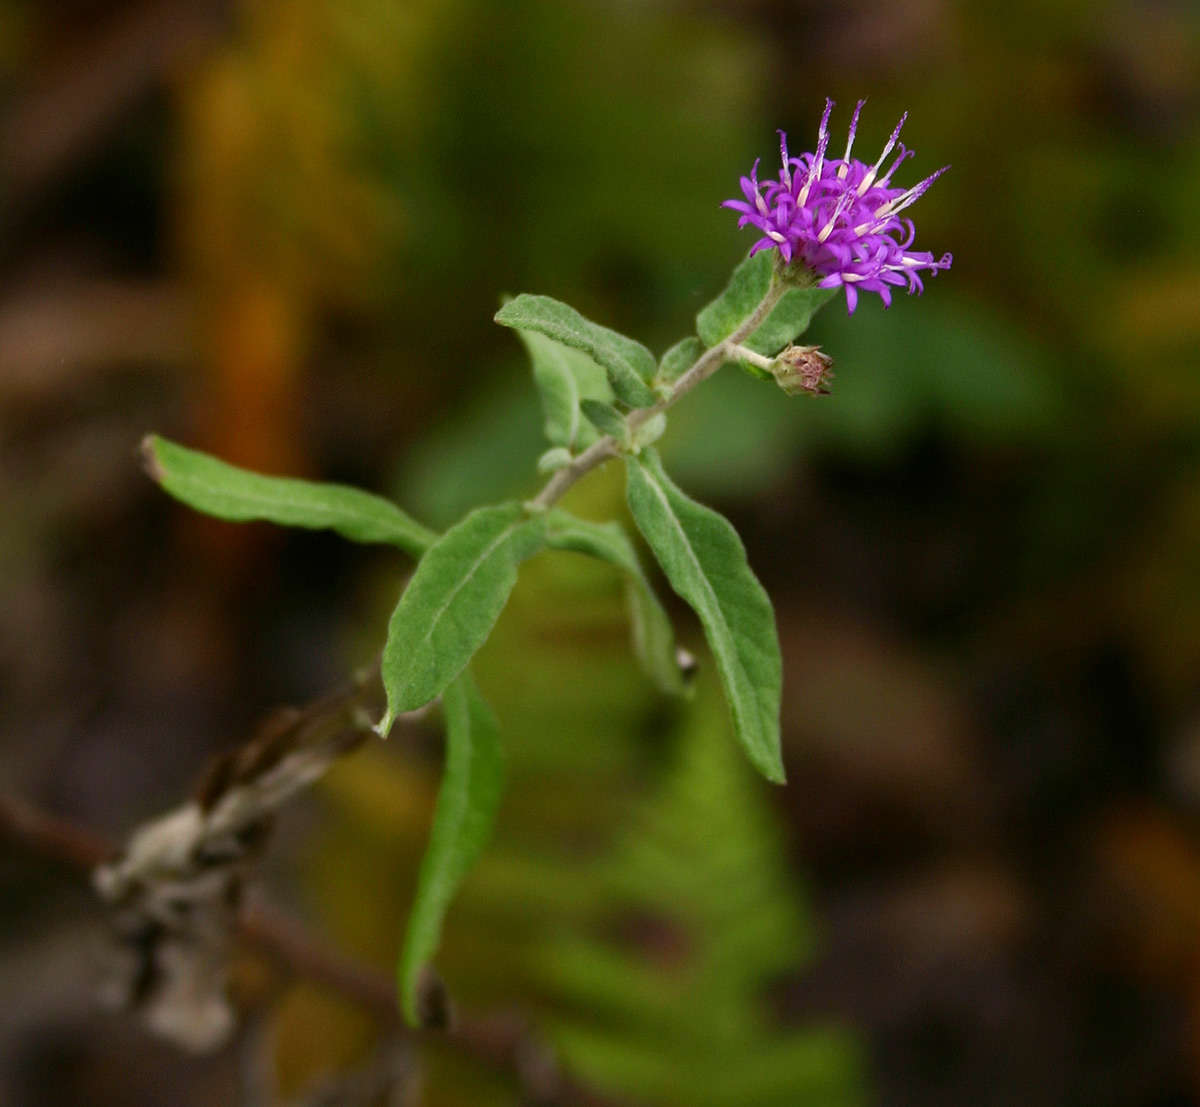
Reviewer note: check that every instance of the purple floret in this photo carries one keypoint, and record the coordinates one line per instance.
(840, 217)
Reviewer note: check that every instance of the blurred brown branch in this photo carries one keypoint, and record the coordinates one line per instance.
(92, 77)
(57, 332)
(51, 836)
(174, 892)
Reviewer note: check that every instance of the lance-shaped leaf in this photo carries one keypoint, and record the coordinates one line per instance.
(653, 636)
(705, 562)
(606, 419)
(452, 602)
(629, 364)
(462, 823)
(680, 358)
(564, 377)
(789, 319)
(747, 286)
(218, 488)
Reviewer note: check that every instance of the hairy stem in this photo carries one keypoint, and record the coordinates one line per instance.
(704, 367)
(746, 354)
(591, 458)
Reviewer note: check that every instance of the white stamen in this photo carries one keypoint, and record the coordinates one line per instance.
(869, 179)
(827, 230)
(802, 196)
(814, 170)
(906, 199)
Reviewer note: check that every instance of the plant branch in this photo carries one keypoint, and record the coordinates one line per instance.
(51, 836)
(592, 458)
(744, 353)
(704, 367)
(503, 1041)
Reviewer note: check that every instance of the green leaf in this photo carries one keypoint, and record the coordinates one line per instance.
(629, 364)
(478, 454)
(747, 286)
(649, 432)
(653, 636)
(452, 602)
(554, 459)
(714, 456)
(705, 562)
(218, 488)
(606, 419)
(462, 824)
(680, 358)
(789, 319)
(564, 376)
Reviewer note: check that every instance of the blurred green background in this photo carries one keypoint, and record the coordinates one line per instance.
(278, 229)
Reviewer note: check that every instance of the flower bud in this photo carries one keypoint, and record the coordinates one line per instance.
(803, 369)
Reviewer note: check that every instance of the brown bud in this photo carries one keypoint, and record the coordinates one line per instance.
(803, 369)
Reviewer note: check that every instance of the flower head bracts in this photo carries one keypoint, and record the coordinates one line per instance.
(840, 217)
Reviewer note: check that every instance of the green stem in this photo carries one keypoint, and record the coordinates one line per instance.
(744, 353)
(704, 367)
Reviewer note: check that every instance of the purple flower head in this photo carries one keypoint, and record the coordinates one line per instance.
(840, 217)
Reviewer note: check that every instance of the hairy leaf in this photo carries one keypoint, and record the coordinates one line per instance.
(649, 432)
(554, 459)
(452, 602)
(564, 376)
(462, 824)
(747, 286)
(629, 364)
(653, 636)
(789, 319)
(680, 358)
(218, 488)
(606, 419)
(705, 562)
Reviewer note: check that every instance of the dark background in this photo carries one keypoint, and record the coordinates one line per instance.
(277, 230)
